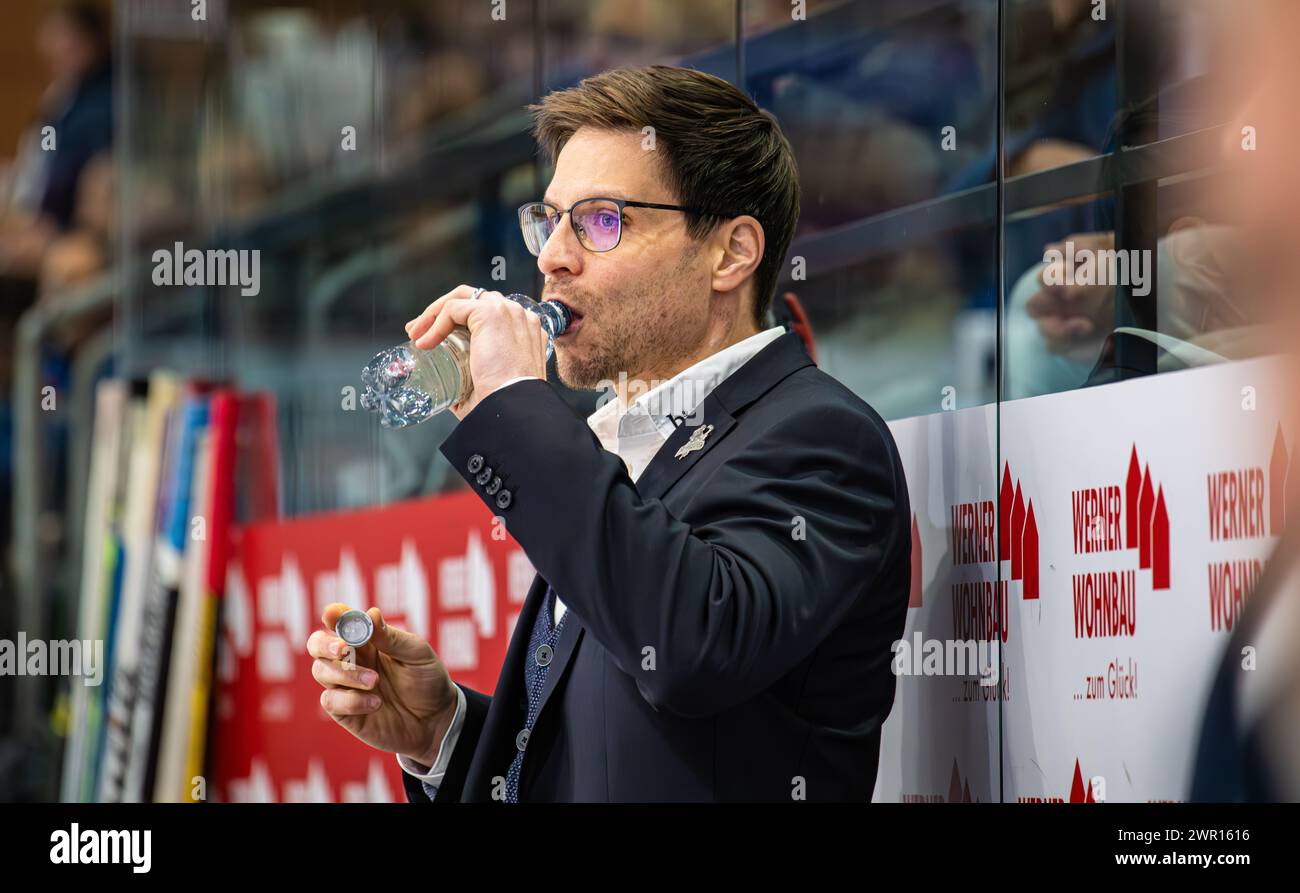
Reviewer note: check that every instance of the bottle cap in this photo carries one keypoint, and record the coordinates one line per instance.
(355, 627)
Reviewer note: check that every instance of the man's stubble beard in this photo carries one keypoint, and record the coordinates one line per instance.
(642, 331)
(586, 372)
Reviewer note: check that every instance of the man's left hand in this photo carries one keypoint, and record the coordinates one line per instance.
(507, 340)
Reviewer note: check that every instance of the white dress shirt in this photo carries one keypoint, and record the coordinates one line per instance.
(635, 436)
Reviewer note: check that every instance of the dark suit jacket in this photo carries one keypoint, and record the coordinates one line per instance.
(733, 610)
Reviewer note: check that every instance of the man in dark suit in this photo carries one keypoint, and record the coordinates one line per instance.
(724, 560)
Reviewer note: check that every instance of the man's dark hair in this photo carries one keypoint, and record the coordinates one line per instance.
(719, 150)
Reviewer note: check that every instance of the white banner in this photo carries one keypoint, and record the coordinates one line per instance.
(1099, 561)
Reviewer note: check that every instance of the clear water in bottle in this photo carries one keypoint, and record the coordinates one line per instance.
(407, 385)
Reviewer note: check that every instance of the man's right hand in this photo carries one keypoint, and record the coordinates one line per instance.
(394, 694)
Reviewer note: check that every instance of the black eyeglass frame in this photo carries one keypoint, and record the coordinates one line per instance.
(620, 203)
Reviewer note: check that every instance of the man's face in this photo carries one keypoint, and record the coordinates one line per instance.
(645, 303)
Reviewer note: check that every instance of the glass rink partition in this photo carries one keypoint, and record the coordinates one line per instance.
(1018, 242)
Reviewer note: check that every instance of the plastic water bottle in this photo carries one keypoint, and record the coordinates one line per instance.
(407, 385)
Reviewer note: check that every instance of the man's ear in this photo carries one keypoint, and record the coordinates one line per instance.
(741, 243)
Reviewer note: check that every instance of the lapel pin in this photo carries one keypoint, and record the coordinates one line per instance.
(696, 442)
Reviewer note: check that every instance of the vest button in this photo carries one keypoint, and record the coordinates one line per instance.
(521, 740)
(543, 655)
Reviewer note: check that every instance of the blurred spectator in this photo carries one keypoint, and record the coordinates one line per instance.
(1056, 333)
(1063, 336)
(78, 109)
(55, 215)
(82, 253)
(1060, 83)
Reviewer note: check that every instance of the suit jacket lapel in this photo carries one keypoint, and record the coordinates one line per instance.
(665, 469)
(501, 726)
(565, 648)
(776, 361)
(497, 740)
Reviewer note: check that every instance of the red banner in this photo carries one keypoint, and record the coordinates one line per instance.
(442, 568)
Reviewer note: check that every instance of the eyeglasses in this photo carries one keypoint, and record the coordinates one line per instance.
(598, 222)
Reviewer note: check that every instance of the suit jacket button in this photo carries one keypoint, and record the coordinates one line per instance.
(485, 475)
(521, 740)
(475, 463)
(493, 487)
(543, 655)
(504, 499)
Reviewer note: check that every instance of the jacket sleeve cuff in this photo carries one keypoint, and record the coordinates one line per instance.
(498, 447)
